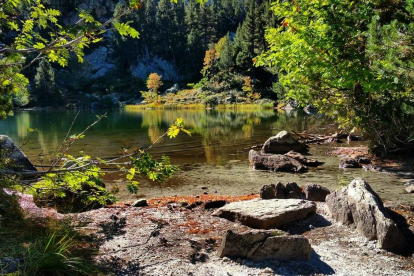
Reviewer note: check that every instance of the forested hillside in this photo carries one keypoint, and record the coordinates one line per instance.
(185, 42)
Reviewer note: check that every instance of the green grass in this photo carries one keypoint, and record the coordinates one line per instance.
(46, 247)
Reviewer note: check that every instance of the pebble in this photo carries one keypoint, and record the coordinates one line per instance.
(140, 203)
(226, 260)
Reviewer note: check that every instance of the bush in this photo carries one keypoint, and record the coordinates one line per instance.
(212, 100)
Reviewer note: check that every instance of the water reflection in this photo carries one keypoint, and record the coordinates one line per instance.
(216, 135)
(216, 147)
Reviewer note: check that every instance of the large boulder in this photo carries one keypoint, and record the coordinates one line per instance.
(315, 192)
(266, 214)
(274, 162)
(358, 204)
(264, 245)
(283, 142)
(18, 160)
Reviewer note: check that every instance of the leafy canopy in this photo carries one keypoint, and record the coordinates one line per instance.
(40, 35)
(351, 59)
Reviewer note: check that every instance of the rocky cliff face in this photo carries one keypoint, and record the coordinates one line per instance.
(101, 61)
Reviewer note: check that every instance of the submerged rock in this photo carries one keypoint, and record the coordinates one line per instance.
(283, 142)
(358, 204)
(266, 214)
(19, 161)
(349, 162)
(410, 189)
(303, 159)
(264, 245)
(274, 162)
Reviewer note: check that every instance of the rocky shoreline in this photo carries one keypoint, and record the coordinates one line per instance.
(283, 230)
(168, 238)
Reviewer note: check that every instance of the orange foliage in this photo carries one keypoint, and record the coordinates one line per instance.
(209, 60)
(163, 201)
(154, 82)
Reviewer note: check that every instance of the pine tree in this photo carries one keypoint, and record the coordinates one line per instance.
(165, 26)
(46, 91)
(251, 31)
(208, 24)
(226, 61)
(194, 48)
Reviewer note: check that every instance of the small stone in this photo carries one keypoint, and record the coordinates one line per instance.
(268, 191)
(410, 189)
(364, 160)
(315, 192)
(212, 204)
(268, 270)
(204, 188)
(205, 193)
(294, 191)
(140, 203)
(9, 265)
(280, 191)
(349, 162)
(226, 260)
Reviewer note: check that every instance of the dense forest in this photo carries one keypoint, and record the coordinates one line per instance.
(350, 60)
(212, 44)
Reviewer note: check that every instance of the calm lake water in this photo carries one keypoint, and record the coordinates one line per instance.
(212, 156)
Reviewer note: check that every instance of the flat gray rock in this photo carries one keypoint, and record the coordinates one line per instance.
(264, 245)
(266, 214)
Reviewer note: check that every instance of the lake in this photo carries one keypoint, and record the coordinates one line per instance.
(214, 156)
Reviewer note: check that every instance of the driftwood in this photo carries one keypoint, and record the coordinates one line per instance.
(325, 138)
